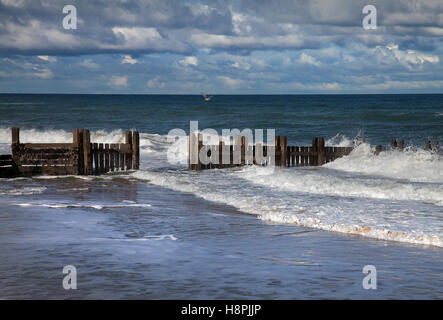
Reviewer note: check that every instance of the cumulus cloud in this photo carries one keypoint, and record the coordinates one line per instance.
(189, 61)
(128, 59)
(307, 59)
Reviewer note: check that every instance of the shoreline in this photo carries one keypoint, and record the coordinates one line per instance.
(191, 248)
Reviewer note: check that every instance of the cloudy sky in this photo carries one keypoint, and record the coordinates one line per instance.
(230, 46)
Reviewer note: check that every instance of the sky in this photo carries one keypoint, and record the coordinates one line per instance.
(221, 47)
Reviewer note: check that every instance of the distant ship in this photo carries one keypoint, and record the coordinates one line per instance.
(207, 98)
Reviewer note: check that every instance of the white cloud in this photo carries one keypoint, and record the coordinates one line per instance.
(408, 58)
(191, 60)
(129, 59)
(88, 63)
(47, 58)
(307, 59)
(117, 81)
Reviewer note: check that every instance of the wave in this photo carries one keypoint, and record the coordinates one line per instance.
(393, 196)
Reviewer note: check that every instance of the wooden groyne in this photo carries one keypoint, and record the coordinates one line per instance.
(81, 157)
(241, 153)
(400, 146)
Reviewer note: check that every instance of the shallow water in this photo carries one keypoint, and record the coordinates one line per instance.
(192, 250)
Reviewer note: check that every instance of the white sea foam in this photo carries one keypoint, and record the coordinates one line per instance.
(22, 191)
(100, 206)
(414, 165)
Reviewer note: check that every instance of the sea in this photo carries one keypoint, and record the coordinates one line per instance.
(253, 232)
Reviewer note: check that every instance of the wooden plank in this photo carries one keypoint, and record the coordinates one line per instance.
(321, 151)
(136, 150)
(87, 152)
(48, 170)
(95, 155)
(48, 145)
(5, 156)
(125, 148)
(128, 140)
(314, 147)
(111, 156)
(15, 132)
(117, 157)
(101, 158)
(283, 145)
(107, 157)
(122, 157)
(427, 145)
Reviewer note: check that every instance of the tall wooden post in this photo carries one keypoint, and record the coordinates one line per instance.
(436, 147)
(243, 151)
(276, 148)
(87, 153)
(77, 139)
(199, 148)
(378, 149)
(136, 149)
(128, 140)
(401, 145)
(283, 145)
(314, 158)
(321, 151)
(393, 144)
(428, 145)
(15, 149)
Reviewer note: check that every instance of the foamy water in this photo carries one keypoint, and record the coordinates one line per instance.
(393, 196)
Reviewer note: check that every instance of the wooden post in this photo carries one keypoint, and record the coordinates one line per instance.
(428, 145)
(107, 158)
(401, 145)
(321, 151)
(378, 149)
(95, 154)
(15, 135)
(77, 139)
(199, 165)
(122, 158)
(87, 155)
(283, 145)
(15, 149)
(243, 151)
(111, 156)
(314, 158)
(128, 140)
(117, 156)
(102, 158)
(220, 153)
(136, 149)
(393, 144)
(297, 157)
(277, 161)
(436, 146)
